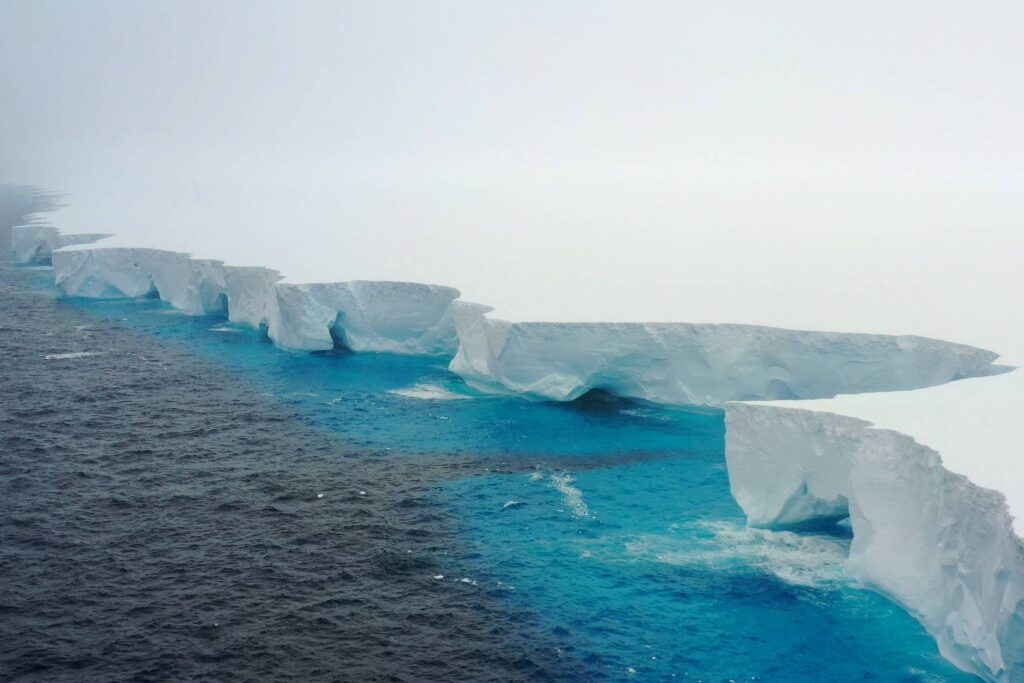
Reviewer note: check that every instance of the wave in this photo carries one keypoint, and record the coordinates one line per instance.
(429, 392)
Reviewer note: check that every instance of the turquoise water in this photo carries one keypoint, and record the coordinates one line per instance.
(608, 520)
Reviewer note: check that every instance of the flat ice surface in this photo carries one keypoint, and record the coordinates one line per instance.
(973, 424)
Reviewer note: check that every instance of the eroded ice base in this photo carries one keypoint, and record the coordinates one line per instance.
(927, 479)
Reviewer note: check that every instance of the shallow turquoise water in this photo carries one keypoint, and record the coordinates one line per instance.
(611, 521)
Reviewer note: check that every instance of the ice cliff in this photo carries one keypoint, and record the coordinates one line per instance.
(933, 540)
(398, 317)
(35, 243)
(675, 363)
(696, 364)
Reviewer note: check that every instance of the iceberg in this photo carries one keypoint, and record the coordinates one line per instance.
(34, 243)
(696, 364)
(931, 494)
(396, 317)
(939, 540)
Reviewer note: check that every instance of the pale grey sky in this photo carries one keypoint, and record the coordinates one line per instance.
(812, 164)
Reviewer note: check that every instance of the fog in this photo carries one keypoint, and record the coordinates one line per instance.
(847, 166)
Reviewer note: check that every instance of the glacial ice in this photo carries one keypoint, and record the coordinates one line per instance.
(930, 529)
(696, 364)
(397, 317)
(400, 317)
(34, 243)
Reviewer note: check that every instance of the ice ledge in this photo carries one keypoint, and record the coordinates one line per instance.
(935, 532)
(34, 243)
(397, 317)
(672, 363)
(697, 364)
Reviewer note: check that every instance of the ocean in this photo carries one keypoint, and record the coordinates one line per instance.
(183, 501)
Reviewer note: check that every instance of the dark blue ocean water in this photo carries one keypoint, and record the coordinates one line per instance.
(181, 500)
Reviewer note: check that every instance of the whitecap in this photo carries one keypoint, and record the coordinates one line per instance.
(571, 495)
(223, 328)
(812, 560)
(73, 354)
(430, 392)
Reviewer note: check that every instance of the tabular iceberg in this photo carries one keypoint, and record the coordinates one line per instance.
(697, 364)
(940, 545)
(398, 317)
(34, 243)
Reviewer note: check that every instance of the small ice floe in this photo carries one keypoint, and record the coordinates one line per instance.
(362, 493)
(73, 354)
(223, 328)
(512, 504)
(630, 670)
(438, 576)
(319, 495)
(429, 392)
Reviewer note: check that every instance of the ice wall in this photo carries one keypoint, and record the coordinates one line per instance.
(937, 543)
(696, 364)
(34, 243)
(400, 317)
(675, 363)
(396, 317)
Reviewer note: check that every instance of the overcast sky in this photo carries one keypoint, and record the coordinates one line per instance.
(810, 164)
